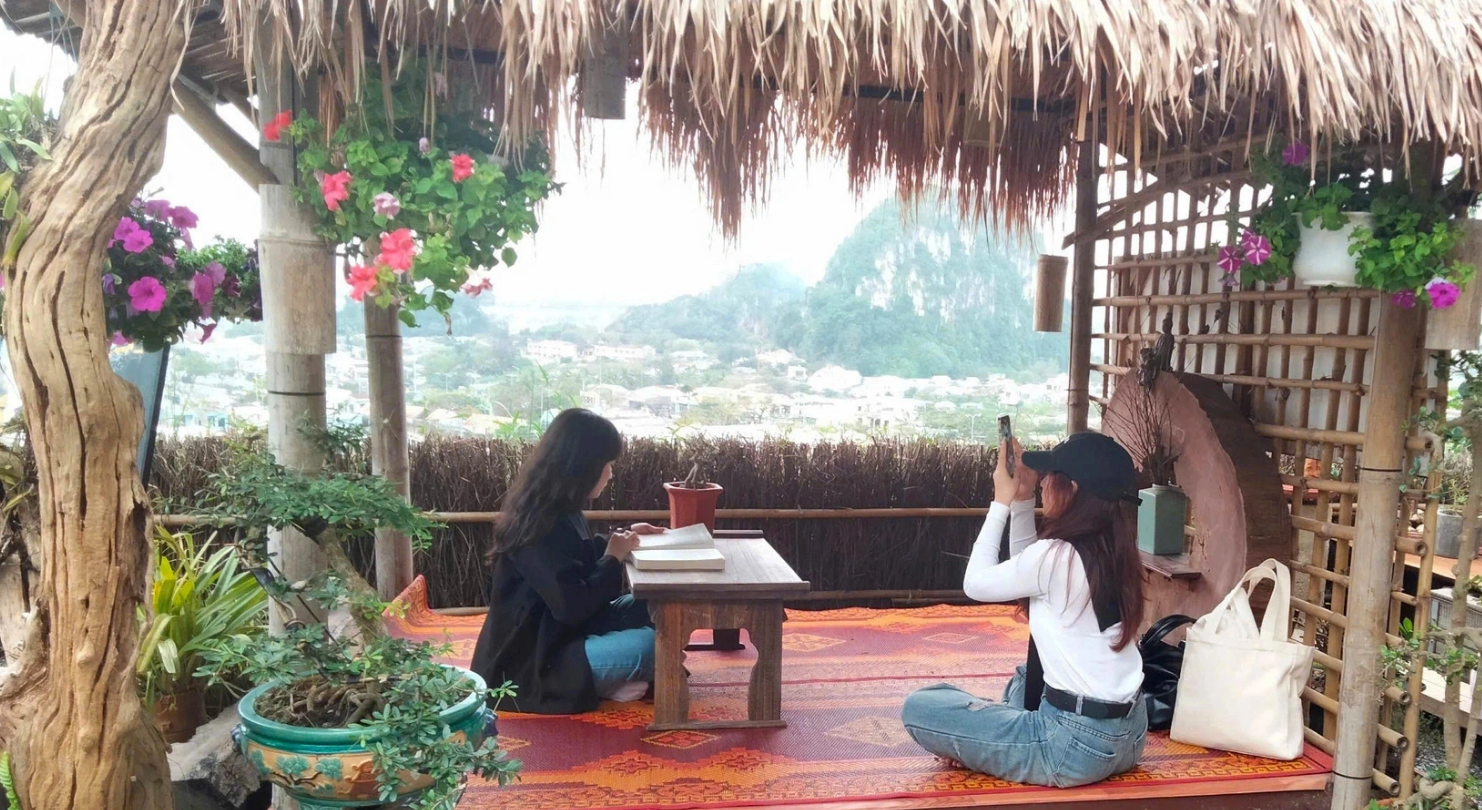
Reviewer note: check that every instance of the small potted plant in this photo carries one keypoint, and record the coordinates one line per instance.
(1163, 508)
(693, 500)
(201, 596)
(1351, 227)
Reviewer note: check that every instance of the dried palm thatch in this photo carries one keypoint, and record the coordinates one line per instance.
(730, 85)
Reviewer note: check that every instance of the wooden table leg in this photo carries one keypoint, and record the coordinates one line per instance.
(764, 698)
(671, 685)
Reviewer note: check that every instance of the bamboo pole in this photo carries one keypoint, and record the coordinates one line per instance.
(1232, 295)
(299, 327)
(1251, 380)
(388, 424)
(1377, 511)
(617, 515)
(1078, 404)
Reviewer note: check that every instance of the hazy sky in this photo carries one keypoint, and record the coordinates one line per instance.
(635, 231)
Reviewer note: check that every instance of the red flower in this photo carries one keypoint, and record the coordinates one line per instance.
(273, 130)
(335, 188)
(462, 168)
(362, 281)
(398, 249)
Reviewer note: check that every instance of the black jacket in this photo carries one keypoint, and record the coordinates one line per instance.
(542, 598)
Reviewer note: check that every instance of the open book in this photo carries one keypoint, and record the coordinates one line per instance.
(688, 549)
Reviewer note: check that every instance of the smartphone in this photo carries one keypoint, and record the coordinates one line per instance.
(1006, 437)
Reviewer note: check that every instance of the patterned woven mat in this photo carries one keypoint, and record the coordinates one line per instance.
(845, 673)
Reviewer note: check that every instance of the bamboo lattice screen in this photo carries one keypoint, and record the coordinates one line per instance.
(1298, 363)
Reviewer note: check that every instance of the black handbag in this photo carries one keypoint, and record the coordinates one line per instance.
(1161, 664)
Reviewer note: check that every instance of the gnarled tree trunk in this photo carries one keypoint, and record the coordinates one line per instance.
(71, 716)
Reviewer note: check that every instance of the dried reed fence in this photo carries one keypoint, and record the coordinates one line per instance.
(915, 553)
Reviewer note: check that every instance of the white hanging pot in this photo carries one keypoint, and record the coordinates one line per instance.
(1322, 258)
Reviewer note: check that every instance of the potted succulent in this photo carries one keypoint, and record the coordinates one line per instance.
(351, 718)
(201, 596)
(693, 500)
(1351, 226)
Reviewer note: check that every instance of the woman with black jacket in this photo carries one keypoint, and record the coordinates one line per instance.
(559, 625)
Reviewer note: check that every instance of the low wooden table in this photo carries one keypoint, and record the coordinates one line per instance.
(747, 595)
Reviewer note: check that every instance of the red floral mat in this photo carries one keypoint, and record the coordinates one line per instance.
(845, 674)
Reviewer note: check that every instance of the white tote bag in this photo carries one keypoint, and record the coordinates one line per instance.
(1241, 684)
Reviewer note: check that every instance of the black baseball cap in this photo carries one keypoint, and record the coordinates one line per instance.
(1094, 461)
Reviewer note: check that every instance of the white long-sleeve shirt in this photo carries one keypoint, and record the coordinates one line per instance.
(1077, 654)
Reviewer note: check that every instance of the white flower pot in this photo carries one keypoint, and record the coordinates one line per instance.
(1322, 258)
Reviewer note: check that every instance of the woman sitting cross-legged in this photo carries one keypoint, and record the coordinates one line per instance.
(559, 625)
(1073, 715)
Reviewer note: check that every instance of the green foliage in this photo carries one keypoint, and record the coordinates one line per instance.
(1409, 241)
(201, 596)
(7, 782)
(25, 126)
(458, 224)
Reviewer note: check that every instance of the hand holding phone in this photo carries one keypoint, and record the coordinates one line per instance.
(1006, 443)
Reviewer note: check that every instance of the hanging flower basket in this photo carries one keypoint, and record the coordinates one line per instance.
(1324, 258)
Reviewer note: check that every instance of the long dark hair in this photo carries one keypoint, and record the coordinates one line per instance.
(557, 478)
(1102, 534)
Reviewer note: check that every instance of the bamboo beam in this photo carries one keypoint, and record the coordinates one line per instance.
(232, 148)
(1233, 295)
(388, 435)
(1259, 382)
(1377, 515)
(1082, 290)
(1320, 484)
(1238, 339)
(617, 515)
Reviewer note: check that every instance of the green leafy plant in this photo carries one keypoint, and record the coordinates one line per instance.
(1404, 251)
(419, 207)
(201, 596)
(7, 782)
(25, 128)
(390, 689)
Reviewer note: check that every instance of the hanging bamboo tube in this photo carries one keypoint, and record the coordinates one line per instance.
(1049, 293)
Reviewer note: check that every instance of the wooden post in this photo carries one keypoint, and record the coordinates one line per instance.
(388, 423)
(1049, 293)
(1078, 398)
(232, 148)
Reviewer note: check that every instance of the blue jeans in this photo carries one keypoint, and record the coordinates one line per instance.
(1047, 747)
(620, 645)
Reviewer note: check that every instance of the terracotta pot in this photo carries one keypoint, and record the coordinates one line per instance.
(690, 506)
(179, 715)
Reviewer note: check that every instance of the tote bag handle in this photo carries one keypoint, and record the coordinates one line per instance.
(1276, 624)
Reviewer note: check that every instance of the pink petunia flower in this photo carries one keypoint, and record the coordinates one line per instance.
(1442, 292)
(168, 261)
(122, 230)
(158, 209)
(1230, 259)
(1295, 154)
(147, 294)
(134, 238)
(118, 339)
(475, 289)
(398, 249)
(207, 330)
(217, 272)
(203, 289)
(424, 146)
(1258, 250)
(387, 205)
(272, 131)
(362, 281)
(1404, 299)
(335, 188)
(462, 168)
(232, 287)
(183, 218)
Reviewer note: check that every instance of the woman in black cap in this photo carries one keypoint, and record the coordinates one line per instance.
(1073, 715)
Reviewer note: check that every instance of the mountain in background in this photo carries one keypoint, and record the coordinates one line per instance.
(925, 295)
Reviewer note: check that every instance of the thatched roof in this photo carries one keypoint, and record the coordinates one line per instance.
(890, 84)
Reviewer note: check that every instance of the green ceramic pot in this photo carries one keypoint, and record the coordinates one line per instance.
(331, 768)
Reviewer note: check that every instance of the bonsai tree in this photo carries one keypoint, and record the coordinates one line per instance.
(391, 693)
